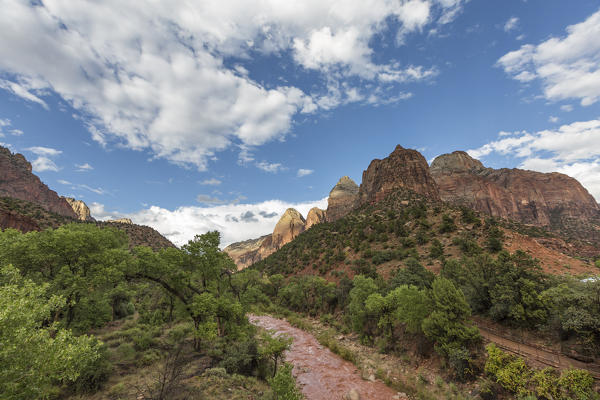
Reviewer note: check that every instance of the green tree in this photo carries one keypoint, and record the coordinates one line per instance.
(272, 348)
(34, 353)
(361, 290)
(283, 384)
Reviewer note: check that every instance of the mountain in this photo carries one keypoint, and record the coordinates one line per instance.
(342, 198)
(402, 169)
(17, 181)
(551, 200)
(315, 216)
(80, 208)
(27, 204)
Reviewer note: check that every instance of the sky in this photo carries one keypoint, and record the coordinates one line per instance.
(191, 116)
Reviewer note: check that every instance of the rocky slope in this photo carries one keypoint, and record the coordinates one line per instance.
(17, 181)
(80, 208)
(247, 252)
(315, 216)
(551, 200)
(342, 199)
(290, 225)
(402, 169)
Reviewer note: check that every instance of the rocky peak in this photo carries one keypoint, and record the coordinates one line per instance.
(290, 225)
(545, 199)
(403, 168)
(80, 208)
(342, 198)
(458, 161)
(17, 181)
(315, 216)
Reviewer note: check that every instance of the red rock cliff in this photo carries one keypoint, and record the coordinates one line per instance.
(17, 181)
(403, 168)
(543, 199)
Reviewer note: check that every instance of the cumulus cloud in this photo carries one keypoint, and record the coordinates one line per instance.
(512, 23)
(44, 161)
(236, 222)
(572, 149)
(270, 167)
(567, 67)
(304, 172)
(155, 75)
(553, 119)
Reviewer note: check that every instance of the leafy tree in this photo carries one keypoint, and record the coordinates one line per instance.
(413, 274)
(35, 353)
(283, 384)
(362, 288)
(448, 324)
(272, 348)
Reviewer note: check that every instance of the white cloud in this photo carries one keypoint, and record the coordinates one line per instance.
(63, 182)
(270, 167)
(6, 127)
(566, 108)
(83, 167)
(211, 182)
(42, 164)
(553, 119)
(236, 222)
(567, 67)
(304, 172)
(572, 149)
(154, 76)
(511, 24)
(44, 151)
(44, 160)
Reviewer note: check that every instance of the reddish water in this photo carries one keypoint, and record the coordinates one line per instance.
(321, 374)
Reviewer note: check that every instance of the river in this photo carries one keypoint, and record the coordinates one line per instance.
(321, 374)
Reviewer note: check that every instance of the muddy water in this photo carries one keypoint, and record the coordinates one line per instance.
(321, 374)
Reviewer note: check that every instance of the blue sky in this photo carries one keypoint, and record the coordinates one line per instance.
(190, 116)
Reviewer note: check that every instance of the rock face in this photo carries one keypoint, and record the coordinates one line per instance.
(342, 199)
(17, 181)
(120, 221)
(246, 253)
(290, 225)
(80, 208)
(315, 216)
(403, 168)
(14, 220)
(544, 199)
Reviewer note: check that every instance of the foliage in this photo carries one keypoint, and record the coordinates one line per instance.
(38, 352)
(272, 348)
(284, 385)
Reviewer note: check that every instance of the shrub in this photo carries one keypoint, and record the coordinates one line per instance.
(447, 224)
(284, 385)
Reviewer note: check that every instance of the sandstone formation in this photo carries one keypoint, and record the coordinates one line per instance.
(315, 216)
(120, 221)
(545, 199)
(14, 220)
(342, 199)
(17, 181)
(80, 208)
(403, 168)
(247, 252)
(290, 225)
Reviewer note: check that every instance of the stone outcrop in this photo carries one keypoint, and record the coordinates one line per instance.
(18, 181)
(246, 253)
(342, 199)
(290, 225)
(120, 221)
(80, 208)
(545, 199)
(14, 220)
(315, 216)
(403, 168)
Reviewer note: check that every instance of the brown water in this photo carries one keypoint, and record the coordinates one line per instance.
(321, 374)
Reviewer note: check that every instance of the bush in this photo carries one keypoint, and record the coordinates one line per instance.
(447, 224)
(283, 384)
(94, 374)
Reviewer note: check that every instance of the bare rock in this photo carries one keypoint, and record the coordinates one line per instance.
(403, 168)
(342, 199)
(352, 395)
(120, 221)
(290, 225)
(17, 181)
(247, 252)
(80, 208)
(315, 216)
(544, 199)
